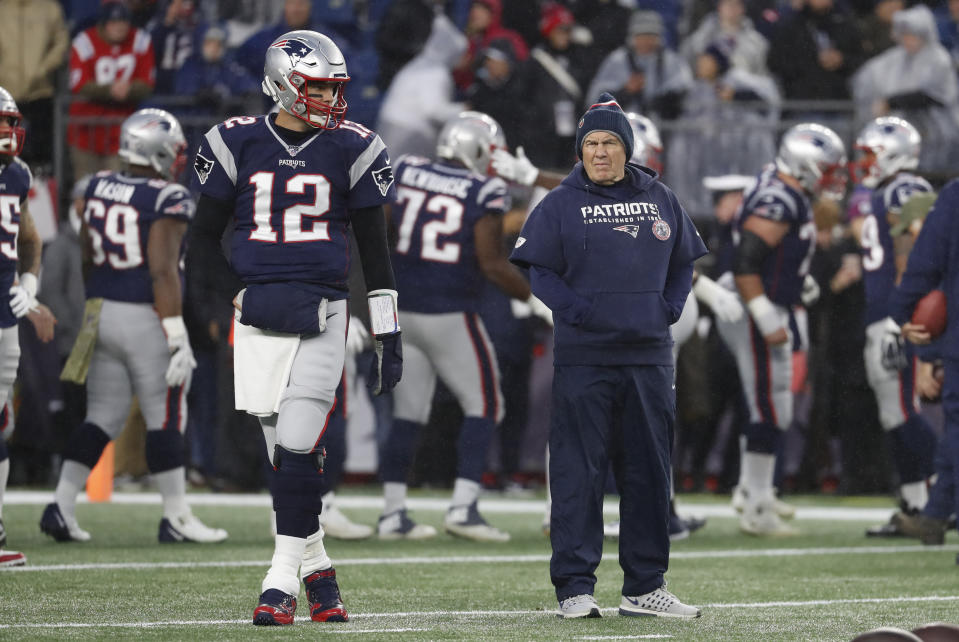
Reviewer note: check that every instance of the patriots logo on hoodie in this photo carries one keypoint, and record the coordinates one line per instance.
(632, 230)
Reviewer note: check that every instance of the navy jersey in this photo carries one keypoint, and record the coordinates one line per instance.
(435, 211)
(15, 181)
(878, 253)
(784, 270)
(292, 201)
(119, 212)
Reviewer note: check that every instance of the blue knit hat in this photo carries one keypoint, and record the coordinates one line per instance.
(606, 115)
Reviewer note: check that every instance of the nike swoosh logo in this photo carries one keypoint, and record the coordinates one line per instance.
(632, 601)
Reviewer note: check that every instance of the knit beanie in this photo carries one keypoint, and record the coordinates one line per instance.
(606, 115)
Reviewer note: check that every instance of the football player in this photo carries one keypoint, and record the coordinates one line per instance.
(887, 149)
(288, 186)
(775, 237)
(134, 341)
(20, 248)
(448, 216)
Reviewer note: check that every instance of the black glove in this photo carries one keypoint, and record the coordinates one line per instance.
(387, 363)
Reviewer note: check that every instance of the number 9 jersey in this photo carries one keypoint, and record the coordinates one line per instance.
(119, 211)
(292, 200)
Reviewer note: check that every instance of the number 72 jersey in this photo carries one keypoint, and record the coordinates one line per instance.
(292, 201)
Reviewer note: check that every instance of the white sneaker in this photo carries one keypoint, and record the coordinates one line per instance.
(398, 525)
(466, 522)
(579, 606)
(336, 524)
(660, 603)
(784, 510)
(187, 528)
(760, 518)
(611, 530)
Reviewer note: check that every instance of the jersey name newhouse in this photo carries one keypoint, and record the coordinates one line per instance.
(432, 182)
(630, 212)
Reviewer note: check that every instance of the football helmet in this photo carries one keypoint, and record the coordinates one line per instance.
(296, 59)
(885, 146)
(647, 144)
(153, 138)
(470, 138)
(814, 155)
(11, 135)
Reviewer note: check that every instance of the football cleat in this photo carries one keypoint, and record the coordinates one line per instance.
(187, 528)
(12, 558)
(784, 510)
(337, 525)
(57, 526)
(275, 608)
(897, 526)
(659, 603)
(466, 522)
(323, 594)
(761, 519)
(398, 525)
(579, 606)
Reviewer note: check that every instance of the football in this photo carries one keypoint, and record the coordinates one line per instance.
(931, 312)
(937, 632)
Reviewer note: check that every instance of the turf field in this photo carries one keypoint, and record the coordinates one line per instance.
(828, 583)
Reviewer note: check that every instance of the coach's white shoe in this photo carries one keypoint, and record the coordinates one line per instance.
(337, 525)
(579, 606)
(398, 525)
(784, 510)
(466, 522)
(760, 518)
(187, 528)
(659, 603)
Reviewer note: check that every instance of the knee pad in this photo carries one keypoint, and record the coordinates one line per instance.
(86, 444)
(297, 481)
(763, 438)
(164, 450)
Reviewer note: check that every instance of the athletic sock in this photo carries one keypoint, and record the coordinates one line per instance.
(394, 495)
(315, 557)
(73, 477)
(172, 486)
(284, 569)
(914, 495)
(465, 492)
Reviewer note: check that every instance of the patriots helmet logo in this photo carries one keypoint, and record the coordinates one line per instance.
(632, 230)
(383, 178)
(297, 49)
(203, 166)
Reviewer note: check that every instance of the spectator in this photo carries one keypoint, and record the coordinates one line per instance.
(242, 18)
(558, 74)
(32, 49)
(815, 51)
(482, 27)
(730, 28)
(947, 21)
(111, 71)
(212, 76)
(420, 98)
(915, 80)
(607, 21)
(876, 27)
(644, 77)
(402, 33)
(732, 115)
(173, 37)
(499, 86)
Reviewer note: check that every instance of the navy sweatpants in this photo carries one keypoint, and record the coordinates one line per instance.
(944, 494)
(624, 416)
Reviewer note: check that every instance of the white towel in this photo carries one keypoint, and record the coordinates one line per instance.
(262, 361)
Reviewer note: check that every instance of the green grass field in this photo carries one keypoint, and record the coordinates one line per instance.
(828, 583)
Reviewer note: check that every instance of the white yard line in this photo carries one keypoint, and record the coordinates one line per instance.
(489, 504)
(483, 559)
(354, 617)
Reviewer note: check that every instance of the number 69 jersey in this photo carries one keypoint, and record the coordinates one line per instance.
(15, 180)
(292, 201)
(119, 212)
(786, 267)
(437, 206)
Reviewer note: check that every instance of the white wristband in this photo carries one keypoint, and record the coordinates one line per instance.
(764, 314)
(173, 327)
(28, 281)
(384, 316)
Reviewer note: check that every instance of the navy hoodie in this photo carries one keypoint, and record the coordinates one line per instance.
(614, 263)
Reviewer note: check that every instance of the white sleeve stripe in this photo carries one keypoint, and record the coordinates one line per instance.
(222, 153)
(493, 185)
(364, 160)
(141, 42)
(166, 192)
(83, 46)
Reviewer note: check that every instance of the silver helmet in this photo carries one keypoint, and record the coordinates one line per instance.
(814, 155)
(470, 138)
(647, 144)
(296, 59)
(153, 138)
(885, 146)
(11, 136)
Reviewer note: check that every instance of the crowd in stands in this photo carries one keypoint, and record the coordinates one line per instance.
(721, 78)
